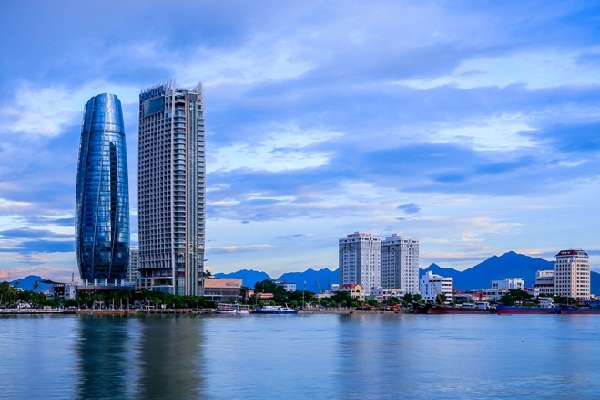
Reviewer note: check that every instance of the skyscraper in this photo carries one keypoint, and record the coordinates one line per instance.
(400, 264)
(102, 198)
(360, 260)
(171, 189)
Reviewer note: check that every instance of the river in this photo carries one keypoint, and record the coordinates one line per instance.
(312, 356)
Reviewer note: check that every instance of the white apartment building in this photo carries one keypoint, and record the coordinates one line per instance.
(431, 285)
(360, 260)
(508, 284)
(572, 274)
(171, 189)
(400, 264)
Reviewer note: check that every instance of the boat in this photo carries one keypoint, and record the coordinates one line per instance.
(579, 310)
(274, 310)
(480, 307)
(227, 308)
(502, 309)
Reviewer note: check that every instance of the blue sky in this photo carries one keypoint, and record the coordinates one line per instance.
(471, 126)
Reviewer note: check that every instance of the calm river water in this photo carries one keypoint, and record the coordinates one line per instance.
(352, 356)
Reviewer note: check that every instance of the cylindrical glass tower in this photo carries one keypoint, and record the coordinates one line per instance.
(102, 215)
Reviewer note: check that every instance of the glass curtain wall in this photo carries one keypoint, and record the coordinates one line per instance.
(102, 215)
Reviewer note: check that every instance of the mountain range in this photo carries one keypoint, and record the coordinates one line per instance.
(480, 276)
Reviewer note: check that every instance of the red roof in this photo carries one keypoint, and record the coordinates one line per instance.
(571, 252)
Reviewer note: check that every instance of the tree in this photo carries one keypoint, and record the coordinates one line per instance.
(342, 296)
(515, 296)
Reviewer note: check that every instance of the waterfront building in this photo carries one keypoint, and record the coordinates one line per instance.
(132, 268)
(572, 274)
(544, 282)
(222, 290)
(360, 260)
(433, 285)
(171, 189)
(357, 292)
(288, 286)
(508, 284)
(400, 264)
(385, 295)
(102, 198)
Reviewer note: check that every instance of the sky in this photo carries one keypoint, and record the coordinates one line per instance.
(472, 126)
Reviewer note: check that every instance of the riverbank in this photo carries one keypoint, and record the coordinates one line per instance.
(178, 311)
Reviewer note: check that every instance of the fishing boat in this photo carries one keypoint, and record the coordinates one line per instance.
(227, 308)
(274, 310)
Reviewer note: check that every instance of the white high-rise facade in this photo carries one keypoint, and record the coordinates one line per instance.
(400, 264)
(360, 260)
(171, 189)
(432, 286)
(572, 274)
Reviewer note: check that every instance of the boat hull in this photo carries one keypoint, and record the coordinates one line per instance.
(276, 312)
(458, 310)
(568, 310)
(526, 310)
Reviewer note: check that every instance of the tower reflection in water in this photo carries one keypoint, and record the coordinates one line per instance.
(153, 357)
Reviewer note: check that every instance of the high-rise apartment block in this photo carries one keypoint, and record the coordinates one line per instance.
(102, 193)
(400, 264)
(360, 260)
(171, 189)
(572, 274)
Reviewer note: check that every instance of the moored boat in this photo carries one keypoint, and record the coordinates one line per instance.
(579, 310)
(502, 309)
(227, 308)
(274, 310)
(480, 307)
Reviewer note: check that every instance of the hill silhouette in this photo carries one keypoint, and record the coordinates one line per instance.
(480, 276)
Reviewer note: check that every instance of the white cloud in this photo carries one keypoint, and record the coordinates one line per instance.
(497, 133)
(37, 111)
(537, 69)
(282, 149)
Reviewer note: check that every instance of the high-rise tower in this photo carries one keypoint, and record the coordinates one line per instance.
(572, 274)
(360, 260)
(400, 264)
(171, 189)
(102, 214)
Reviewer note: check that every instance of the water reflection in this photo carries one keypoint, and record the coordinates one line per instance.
(154, 357)
(170, 357)
(103, 348)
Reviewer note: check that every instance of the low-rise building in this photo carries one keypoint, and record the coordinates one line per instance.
(384, 295)
(288, 286)
(222, 290)
(357, 292)
(544, 283)
(433, 285)
(508, 284)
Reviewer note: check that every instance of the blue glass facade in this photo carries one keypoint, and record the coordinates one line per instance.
(102, 215)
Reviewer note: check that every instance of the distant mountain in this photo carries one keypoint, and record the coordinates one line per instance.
(249, 277)
(28, 283)
(509, 265)
(313, 281)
